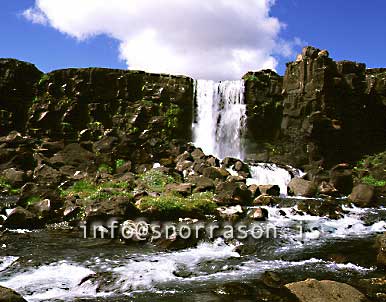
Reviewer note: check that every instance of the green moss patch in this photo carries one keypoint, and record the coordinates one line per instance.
(169, 207)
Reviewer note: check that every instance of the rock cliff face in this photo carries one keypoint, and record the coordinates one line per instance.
(17, 81)
(141, 115)
(320, 113)
(331, 111)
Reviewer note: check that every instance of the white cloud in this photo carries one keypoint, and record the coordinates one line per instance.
(214, 39)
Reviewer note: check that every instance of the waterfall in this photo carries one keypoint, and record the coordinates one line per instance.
(220, 118)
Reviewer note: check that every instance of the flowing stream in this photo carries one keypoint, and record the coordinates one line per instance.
(49, 265)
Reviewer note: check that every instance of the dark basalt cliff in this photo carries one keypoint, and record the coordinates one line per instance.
(140, 116)
(321, 113)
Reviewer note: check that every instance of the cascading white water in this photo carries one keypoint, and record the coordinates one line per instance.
(220, 118)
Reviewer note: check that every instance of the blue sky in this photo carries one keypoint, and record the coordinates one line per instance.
(348, 29)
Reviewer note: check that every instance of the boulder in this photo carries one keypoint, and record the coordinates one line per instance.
(184, 189)
(312, 290)
(118, 207)
(232, 213)
(201, 183)
(198, 154)
(258, 214)
(74, 155)
(47, 175)
(328, 207)
(272, 190)
(215, 173)
(14, 177)
(21, 218)
(302, 187)
(233, 193)
(254, 190)
(9, 295)
(362, 195)
(263, 200)
(381, 256)
(341, 178)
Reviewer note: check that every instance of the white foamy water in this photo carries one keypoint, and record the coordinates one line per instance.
(7, 261)
(55, 281)
(270, 174)
(220, 118)
(316, 230)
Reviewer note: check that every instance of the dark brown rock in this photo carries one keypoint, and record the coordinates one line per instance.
(302, 187)
(341, 178)
(20, 218)
(233, 193)
(312, 290)
(8, 295)
(362, 195)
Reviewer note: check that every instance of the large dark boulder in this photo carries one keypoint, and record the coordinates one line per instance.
(20, 218)
(118, 207)
(302, 187)
(9, 295)
(233, 193)
(341, 178)
(363, 195)
(312, 290)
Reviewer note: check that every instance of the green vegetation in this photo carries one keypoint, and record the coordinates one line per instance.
(370, 180)
(250, 77)
(119, 163)
(6, 186)
(32, 200)
(45, 77)
(170, 206)
(172, 115)
(156, 181)
(104, 168)
(87, 190)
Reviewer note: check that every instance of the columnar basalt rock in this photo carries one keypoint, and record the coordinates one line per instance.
(17, 90)
(330, 112)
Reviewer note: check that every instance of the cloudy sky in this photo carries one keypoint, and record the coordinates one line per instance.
(212, 39)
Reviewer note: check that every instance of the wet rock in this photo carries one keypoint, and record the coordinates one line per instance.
(230, 213)
(264, 200)
(215, 173)
(197, 154)
(76, 156)
(233, 193)
(258, 291)
(381, 256)
(374, 288)
(341, 178)
(254, 190)
(47, 175)
(21, 218)
(302, 187)
(312, 290)
(272, 190)
(9, 295)
(117, 207)
(45, 208)
(184, 189)
(258, 214)
(184, 165)
(14, 177)
(327, 207)
(201, 183)
(326, 188)
(362, 195)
